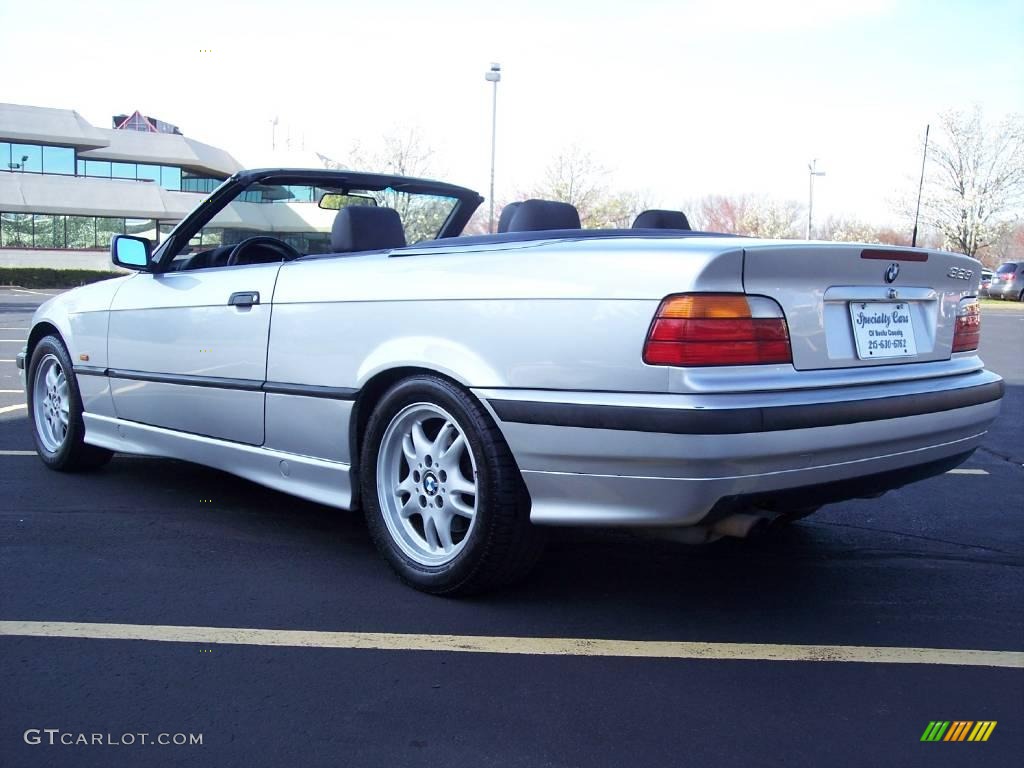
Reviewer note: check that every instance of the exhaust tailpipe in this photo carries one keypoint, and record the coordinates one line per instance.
(741, 525)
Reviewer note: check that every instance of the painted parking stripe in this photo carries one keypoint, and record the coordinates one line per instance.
(11, 408)
(17, 453)
(539, 646)
(967, 472)
(11, 391)
(6, 361)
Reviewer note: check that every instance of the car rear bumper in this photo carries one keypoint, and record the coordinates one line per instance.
(668, 460)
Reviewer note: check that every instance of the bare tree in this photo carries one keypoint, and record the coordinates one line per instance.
(574, 177)
(404, 152)
(748, 215)
(975, 179)
(1009, 247)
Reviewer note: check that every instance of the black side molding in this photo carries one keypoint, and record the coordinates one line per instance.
(217, 382)
(249, 385)
(736, 421)
(309, 390)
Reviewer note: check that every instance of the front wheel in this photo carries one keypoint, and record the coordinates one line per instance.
(444, 499)
(55, 411)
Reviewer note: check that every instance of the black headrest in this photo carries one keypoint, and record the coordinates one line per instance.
(506, 216)
(366, 228)
(540, 215)
(661, 220)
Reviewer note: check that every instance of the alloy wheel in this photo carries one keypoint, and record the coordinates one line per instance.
(427, 484)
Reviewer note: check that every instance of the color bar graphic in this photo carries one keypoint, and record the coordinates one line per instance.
(958, 730)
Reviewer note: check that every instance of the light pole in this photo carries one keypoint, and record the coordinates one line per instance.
(493, 75)
(812, 171)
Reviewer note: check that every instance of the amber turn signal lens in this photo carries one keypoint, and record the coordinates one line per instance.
(709, 305)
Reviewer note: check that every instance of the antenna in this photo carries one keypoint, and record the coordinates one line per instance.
(920, 186)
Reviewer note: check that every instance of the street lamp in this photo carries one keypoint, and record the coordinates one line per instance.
(812, 171)
(493, 75)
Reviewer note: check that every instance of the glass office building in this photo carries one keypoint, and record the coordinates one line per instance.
(66, 186)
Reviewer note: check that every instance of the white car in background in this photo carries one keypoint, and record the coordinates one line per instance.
(467, 391)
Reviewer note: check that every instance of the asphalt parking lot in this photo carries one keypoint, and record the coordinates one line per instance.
(162, 545)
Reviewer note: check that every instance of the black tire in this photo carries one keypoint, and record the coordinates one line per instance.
(502, 546)
(73, 454)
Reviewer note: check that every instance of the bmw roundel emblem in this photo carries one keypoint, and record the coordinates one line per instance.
(892, 273)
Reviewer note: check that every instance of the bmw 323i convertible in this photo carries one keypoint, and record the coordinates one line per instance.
(466, 391)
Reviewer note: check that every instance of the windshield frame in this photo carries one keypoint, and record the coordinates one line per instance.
(466, 200)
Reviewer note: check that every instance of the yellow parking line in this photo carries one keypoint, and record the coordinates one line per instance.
(9, 408)
(540, 646)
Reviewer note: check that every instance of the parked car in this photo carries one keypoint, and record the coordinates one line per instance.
(465, 392)
(1008, 281)
(986, 279)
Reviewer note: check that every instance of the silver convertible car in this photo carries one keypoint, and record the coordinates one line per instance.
(465, 391)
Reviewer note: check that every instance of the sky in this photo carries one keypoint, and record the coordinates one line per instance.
(676, 99)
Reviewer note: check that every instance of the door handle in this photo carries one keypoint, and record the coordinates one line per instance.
(244, 298)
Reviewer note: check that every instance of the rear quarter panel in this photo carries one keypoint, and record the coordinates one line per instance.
(552, 316)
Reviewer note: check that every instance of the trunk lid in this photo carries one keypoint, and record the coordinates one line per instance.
(854, 305)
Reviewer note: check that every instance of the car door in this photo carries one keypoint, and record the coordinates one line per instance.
(188, 350)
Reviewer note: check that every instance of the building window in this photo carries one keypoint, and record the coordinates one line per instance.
(194, 182)
(141, 228)
(170, 178)
(59, 160)
(48, 231)
(16, 230)
(28, 158)
(106, 228)
(149, 173)
(99, 168)
(81, 232)
(56, 231)
(122, 170)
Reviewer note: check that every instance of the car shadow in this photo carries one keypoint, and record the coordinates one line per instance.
(839, 570)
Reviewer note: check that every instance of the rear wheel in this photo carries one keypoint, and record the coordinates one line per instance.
(55, 410)
(444, 499)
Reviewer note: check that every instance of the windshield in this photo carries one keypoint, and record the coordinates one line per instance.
(291, 213)
(1006, 268)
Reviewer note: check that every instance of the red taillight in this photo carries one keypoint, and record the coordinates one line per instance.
(717, 329)
(967, 333)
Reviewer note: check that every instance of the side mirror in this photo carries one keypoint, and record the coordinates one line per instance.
(130, 252)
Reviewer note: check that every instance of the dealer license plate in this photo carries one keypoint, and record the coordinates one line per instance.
(882, 329)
